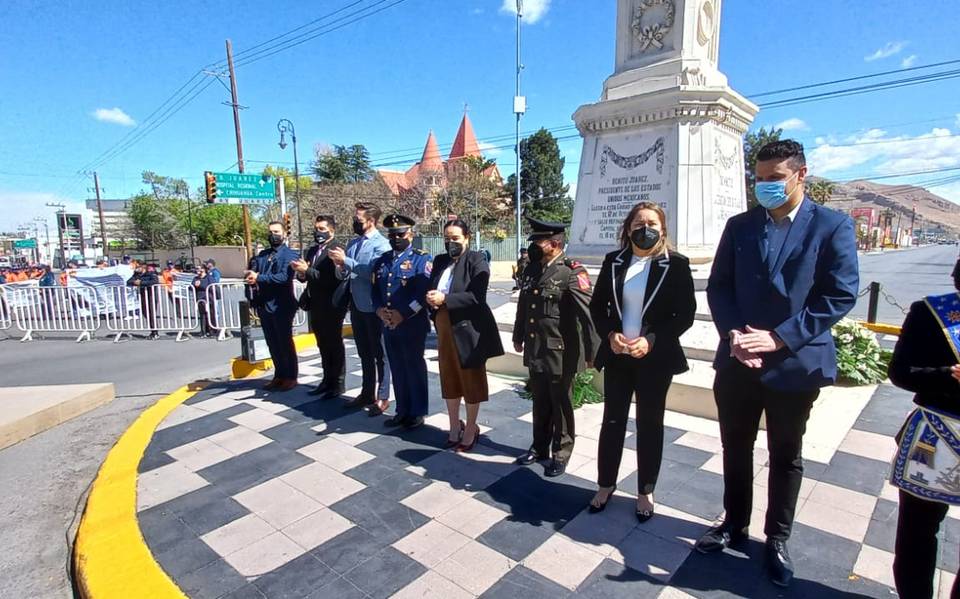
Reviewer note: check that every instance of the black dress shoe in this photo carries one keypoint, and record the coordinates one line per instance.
(395, 421)
(720, 537)
(358, 402)
(555, 468)
(779, 564)
(331, 393)
(528, 458)
(320, 389)
(412, 423)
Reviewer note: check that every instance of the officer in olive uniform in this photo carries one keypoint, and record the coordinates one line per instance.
(554, 296)
(401, 279)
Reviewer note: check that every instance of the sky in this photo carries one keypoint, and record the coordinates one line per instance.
(78, 77)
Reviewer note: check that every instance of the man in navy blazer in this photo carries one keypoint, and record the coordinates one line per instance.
(785, 272)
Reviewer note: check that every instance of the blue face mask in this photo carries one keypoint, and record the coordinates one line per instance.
(772, 194)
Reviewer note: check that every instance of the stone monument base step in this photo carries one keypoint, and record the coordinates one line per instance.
(27, 411)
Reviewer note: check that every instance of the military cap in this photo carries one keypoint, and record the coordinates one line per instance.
(542, 230)
(398, 223)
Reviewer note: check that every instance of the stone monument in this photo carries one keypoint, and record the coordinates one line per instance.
(668, 129)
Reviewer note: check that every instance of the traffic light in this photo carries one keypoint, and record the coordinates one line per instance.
(210, 181)
(287, 222)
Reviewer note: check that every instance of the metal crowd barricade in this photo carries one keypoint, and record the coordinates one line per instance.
(153, 309)
(300, 318)
(223, 307)
(53, 310)
(6, 320)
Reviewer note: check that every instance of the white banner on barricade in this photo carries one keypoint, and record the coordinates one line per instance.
(153, 309)
(98, 281)
(53, 310)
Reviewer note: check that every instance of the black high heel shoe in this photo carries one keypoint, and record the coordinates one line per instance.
(596, 509)
(644, 515)
(450, 443)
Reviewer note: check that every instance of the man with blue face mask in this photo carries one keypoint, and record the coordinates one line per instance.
(785, 272)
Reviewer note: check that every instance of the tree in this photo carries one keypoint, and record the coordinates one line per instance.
(752, 143)
(154, 225)
(542, 191)
(472, 194)
(820, 190)
(342, 164)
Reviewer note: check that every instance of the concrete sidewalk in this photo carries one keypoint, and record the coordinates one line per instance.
(246, 493)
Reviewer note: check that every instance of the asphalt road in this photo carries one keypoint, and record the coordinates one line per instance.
(905, 276)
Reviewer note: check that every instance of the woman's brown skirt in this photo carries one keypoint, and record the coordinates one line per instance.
(455, 381)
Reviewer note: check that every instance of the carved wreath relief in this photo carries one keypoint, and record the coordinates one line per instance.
(652, 21)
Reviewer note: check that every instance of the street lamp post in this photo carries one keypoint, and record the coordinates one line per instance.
(284, 125)
(519, 108)
(61, 227)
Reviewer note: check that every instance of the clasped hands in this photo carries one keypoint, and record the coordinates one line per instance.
(250, 278)
(435, 298)
(748, 345)
(636, 348)
(390, 317)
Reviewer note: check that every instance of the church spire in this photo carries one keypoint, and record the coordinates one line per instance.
(465, 143)
(431, 160)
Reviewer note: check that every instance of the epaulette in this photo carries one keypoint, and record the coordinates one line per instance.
(569, 263)
(421, 252)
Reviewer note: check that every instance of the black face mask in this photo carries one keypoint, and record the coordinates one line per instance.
(275, 240)
(400, 244)
(357, 226)
(645, 238)
(454, 249)
(535, 252)
(321, 237)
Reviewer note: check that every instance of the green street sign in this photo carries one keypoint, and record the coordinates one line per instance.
(25, 244)
(234, 188)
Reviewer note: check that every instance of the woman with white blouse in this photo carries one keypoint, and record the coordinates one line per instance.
(642, 303)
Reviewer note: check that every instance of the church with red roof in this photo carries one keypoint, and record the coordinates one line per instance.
(432, 172)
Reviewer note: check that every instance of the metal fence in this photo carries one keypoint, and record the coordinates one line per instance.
(53, 310)
(5, 319)
(223, 307)
(152, 309)
(500, 251)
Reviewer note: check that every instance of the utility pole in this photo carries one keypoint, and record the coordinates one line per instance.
(61, 227)
(103, 228)
(236, 126)
(519, 108)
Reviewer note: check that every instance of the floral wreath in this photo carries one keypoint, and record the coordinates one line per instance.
(629, 162)
(653, 34)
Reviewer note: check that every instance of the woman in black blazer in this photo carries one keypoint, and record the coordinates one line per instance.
(467, 334)
(642, 303)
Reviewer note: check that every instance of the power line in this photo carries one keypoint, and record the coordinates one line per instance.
(290, 43)
(910, 81)
(851, 79)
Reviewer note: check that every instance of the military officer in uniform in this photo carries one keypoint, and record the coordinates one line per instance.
(400, 285)
(555, 295)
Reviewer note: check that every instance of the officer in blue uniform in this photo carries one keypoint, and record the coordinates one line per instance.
(401, 278)
(272, 277)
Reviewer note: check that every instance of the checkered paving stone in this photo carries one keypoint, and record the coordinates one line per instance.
(246, 493)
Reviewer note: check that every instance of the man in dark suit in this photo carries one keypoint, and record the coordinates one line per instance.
(324, 300)
(276, 305)
(785, 272)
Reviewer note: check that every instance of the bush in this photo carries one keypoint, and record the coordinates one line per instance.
(583, 390)
(860, 359)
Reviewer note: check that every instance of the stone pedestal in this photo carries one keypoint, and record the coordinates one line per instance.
(668, 130)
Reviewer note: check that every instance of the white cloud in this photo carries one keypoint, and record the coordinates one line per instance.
(874, 152)
(533, 10)
(490, 150)
(114, 115)
(890, 49)
(21, 207)
(909, 61)
(792, 124)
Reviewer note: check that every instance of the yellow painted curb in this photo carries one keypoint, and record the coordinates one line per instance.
(110, 557)
(241, 369)
(883, 329)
